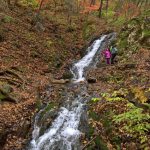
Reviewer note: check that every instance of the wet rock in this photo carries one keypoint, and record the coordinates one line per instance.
(92, 80)
(67, 75)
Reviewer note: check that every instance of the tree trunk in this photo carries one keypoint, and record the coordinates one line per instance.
(107, 2)
(100, 8)
(92, 2)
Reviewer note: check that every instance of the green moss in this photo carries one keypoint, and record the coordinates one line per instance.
(119, 22)
(100, 144)
(107, 122)
(38, 104)
(88, 29)
(145, 33)
(117, 141)
(49, 107)
(7, 19)
(93, 115)
(91, 131)
(123, 43)
(31, 3)
(67, 75)
(2, 97)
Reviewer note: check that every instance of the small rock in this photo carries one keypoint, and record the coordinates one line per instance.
(92, 80)
(39, 27)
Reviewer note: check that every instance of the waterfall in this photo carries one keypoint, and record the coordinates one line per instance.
(64, 132)
(86, 60)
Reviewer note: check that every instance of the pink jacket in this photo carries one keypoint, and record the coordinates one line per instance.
(107, 53)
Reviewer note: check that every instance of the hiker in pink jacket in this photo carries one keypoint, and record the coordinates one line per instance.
(107, 54)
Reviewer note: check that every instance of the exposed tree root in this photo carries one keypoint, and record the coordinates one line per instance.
(18, 82)
(11, 81)
(12, 73)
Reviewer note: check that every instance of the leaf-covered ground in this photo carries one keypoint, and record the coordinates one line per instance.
(119, 112)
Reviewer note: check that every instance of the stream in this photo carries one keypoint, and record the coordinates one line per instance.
(64, 133)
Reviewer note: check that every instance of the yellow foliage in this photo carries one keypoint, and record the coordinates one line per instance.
(139, 94)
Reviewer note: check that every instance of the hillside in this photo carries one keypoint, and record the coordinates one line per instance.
(38, 47)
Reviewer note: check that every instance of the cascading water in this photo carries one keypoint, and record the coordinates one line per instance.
(64, 132)
(86, 60)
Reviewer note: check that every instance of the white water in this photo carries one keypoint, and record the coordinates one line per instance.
(86, 60)
(63, 133)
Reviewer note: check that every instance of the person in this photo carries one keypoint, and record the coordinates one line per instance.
(114, 51)
(107, 54)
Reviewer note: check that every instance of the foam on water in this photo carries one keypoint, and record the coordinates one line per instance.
(64, 130)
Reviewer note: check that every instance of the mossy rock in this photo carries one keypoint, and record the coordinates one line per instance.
(46, 116)
(6, 87)
(67, 75)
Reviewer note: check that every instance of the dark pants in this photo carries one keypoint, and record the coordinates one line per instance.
(108, 61)
(113, 57)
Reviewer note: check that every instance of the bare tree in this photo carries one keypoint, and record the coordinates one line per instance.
(92, 2)
(100, 8)
(107, 2)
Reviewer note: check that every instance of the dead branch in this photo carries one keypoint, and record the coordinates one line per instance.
(89, 142)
